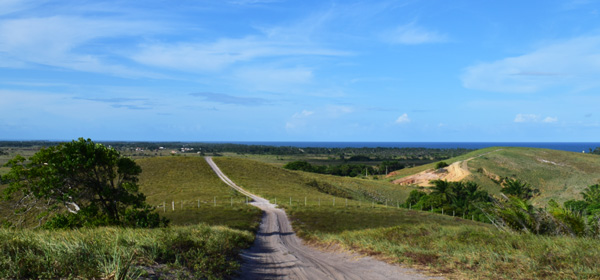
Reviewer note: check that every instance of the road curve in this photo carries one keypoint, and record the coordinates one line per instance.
(277, 253)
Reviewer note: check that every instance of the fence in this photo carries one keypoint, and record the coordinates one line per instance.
(296, 202)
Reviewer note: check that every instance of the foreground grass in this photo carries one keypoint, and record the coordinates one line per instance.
(451, 246)
(198, 251)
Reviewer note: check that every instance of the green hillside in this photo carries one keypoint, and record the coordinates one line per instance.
(273, 182)
(559, 175)
(198, 194)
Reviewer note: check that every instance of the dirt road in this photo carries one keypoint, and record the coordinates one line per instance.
(278, 253)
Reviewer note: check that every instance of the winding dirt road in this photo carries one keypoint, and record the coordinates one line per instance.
(278, 253)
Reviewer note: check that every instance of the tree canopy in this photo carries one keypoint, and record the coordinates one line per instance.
(79, 183)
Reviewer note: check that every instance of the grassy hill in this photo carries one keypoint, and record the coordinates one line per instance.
(273, 182)
(198, 194)
(454, 247)
(559, 175)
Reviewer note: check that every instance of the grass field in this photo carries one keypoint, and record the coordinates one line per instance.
(279, 184)
(194, 188)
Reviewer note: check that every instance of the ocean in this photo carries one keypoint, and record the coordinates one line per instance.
(564, 146)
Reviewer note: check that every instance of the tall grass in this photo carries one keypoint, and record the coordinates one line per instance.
(199, 251)
(451, 246)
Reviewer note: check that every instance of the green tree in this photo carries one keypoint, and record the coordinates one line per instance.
(518, 188)
(80, 183)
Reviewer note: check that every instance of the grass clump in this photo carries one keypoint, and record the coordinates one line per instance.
(198, 251)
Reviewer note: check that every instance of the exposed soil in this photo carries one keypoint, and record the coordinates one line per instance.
(455, 172)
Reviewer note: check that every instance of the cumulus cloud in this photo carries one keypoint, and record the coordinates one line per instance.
(412, 34)
(403, 119)
(550, 119)
(573, 63)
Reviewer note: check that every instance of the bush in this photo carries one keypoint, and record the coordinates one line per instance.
(441, 164)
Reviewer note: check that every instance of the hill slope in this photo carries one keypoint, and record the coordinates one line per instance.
(559, 175)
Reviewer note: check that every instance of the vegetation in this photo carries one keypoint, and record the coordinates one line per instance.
(198, 194)
(351, 170)
(464, 199)
(558, 175)
(198, 251)
(274, 183)
(441, 164)
(453, 247)
(80, 183)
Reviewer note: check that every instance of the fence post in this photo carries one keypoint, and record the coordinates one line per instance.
(231, 198)
(334, 201)
(346, 202)
(215, 201)
(164, 207)
(276, 200)
(173, 205)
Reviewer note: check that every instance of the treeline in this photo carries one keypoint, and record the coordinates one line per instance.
(512, 210)
(349, 153)
(351, 170)
(346, 169)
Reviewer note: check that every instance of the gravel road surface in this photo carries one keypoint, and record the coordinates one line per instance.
(278, 253)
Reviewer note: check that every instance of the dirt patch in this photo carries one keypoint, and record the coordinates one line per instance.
(454, 172)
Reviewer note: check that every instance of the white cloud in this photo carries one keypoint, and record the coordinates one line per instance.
(298, 120)
(412, 34)
(60, 41)
(574, 63)
(533, 118)
(222, 53)
(403, 119)
(303, 114)
(522, 118)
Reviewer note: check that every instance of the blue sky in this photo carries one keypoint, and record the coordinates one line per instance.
(252, 70)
